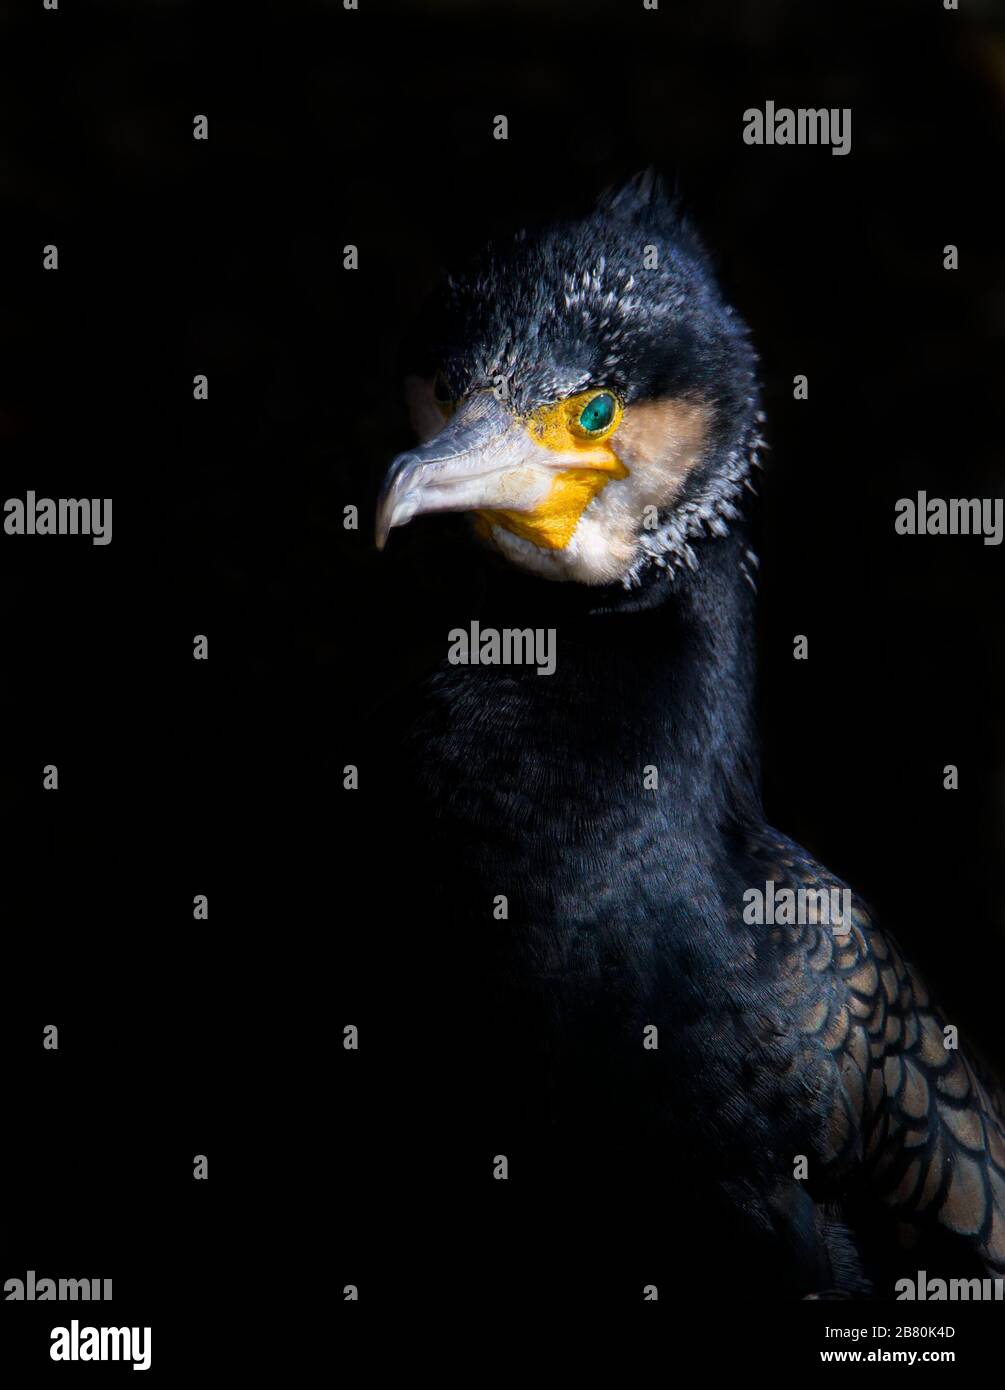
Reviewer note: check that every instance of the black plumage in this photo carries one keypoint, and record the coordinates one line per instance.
(625, 904)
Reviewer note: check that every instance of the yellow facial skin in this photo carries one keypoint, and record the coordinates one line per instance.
(533, 483)
(592, 464)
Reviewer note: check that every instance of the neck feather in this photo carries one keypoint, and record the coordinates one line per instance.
(664, 686)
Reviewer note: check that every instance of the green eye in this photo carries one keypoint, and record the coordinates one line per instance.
(598, 413)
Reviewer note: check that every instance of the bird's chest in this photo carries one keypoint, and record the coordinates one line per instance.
(578, 910)
(583, 1001)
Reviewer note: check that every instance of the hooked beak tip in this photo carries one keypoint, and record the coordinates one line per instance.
(389, 505)
(449, 472)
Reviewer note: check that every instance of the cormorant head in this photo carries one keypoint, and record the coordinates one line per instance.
(586, 394)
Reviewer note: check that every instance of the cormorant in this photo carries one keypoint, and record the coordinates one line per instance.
(800, 1123)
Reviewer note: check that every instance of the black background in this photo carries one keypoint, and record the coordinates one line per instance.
(225, 777)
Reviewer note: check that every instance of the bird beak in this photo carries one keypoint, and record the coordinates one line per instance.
(483, 459)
